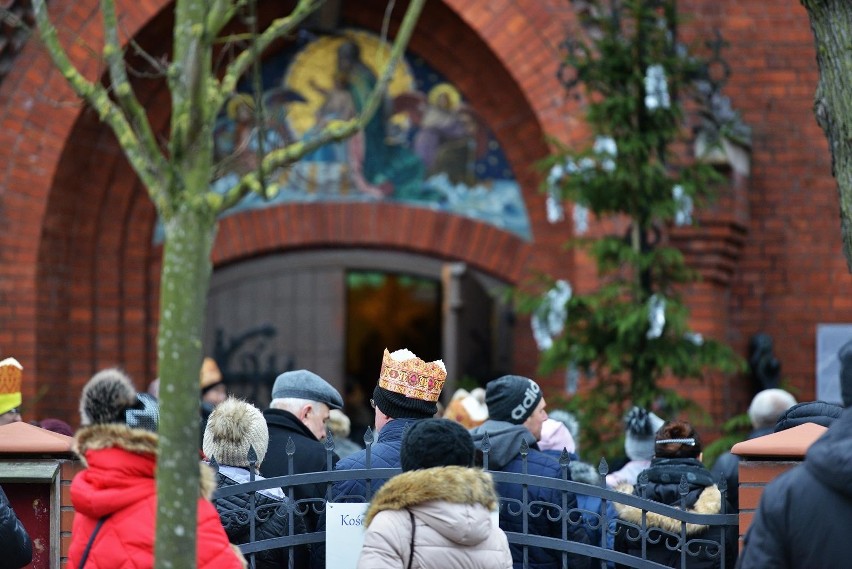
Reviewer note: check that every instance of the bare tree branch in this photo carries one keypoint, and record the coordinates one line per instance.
(148, 150)
(98, 97)
(277, 29)
(334, 132)
(221, 12)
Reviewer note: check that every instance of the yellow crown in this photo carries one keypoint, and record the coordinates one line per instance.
(412, 376)
(10, 384)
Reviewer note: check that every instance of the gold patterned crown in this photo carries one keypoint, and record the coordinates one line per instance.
(404, 373)
(10, 384)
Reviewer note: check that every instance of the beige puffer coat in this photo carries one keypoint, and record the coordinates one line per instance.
(452, 508)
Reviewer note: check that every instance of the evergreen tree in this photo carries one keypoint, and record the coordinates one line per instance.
(632, 330)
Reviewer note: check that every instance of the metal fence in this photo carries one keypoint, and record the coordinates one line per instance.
(640, 536)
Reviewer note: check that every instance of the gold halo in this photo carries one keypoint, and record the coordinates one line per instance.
(318, 62)
(445, 89)
(236, 102)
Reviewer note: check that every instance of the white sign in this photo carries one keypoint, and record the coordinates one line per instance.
(344, 534)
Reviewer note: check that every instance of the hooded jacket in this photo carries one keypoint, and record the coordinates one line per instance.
(271, 520)
(14, 540)
(505, 456)
(451, 508)
(702, 497)
(805, 514)
(118, 485)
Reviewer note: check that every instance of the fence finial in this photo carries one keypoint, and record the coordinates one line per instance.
(603, 467)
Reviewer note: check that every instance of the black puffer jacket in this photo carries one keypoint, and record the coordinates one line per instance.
(14, 540)
(818, 412)
(271, 519)
(805, 514)
(703, 497)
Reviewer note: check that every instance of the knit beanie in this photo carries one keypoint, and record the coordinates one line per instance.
(435, 442)
(409, 387)
(109, 397)
(232, 427)
(512, 398)
(641, 426)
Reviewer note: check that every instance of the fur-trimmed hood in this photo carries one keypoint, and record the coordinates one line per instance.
(96, 437)
(454, 484)
(137, 441)
(709, 502)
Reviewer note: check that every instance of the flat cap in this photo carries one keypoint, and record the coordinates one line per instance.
(304, 384)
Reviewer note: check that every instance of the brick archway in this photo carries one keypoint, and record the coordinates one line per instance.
(84, 292)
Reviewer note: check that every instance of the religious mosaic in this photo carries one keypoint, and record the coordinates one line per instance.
(426, 146)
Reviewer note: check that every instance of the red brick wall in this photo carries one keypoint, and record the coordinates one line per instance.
(68, 470)
(754, 476)
(78, 271)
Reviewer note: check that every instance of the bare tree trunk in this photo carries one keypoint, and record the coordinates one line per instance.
(183, 295)
(178, 183)
(831, 22)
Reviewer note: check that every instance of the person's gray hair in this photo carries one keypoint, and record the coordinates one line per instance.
(291, 404)
(767, 406)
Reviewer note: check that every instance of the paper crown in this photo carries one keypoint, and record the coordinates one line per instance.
(404, 373)
(210, 375)
(10, 384)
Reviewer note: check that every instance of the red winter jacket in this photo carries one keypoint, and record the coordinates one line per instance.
(119, 482)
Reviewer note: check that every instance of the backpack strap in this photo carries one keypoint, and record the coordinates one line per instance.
(91, 541)
(411, 547)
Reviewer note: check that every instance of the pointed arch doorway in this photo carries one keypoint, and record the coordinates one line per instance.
(334, 311)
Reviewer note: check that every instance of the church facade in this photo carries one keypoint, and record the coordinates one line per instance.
(416, 246)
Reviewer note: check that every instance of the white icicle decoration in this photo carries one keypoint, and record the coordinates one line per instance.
(656, 88)
(683, 203)
(549, 319)
(656, 316)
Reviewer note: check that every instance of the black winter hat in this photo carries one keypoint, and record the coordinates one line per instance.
(435, 442)
(512, 398)
(109, 397)
(398, 406)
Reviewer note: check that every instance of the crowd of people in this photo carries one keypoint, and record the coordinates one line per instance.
(441, 510)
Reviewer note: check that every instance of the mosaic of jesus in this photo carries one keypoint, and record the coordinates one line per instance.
(425, 147)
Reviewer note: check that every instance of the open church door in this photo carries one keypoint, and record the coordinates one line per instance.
(477, 328)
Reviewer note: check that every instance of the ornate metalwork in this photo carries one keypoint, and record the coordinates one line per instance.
(688, 547)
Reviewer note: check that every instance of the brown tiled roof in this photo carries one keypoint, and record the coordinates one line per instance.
(23, 438)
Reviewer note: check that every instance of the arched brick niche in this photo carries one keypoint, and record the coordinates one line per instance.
(378, 225)
(83, 294)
